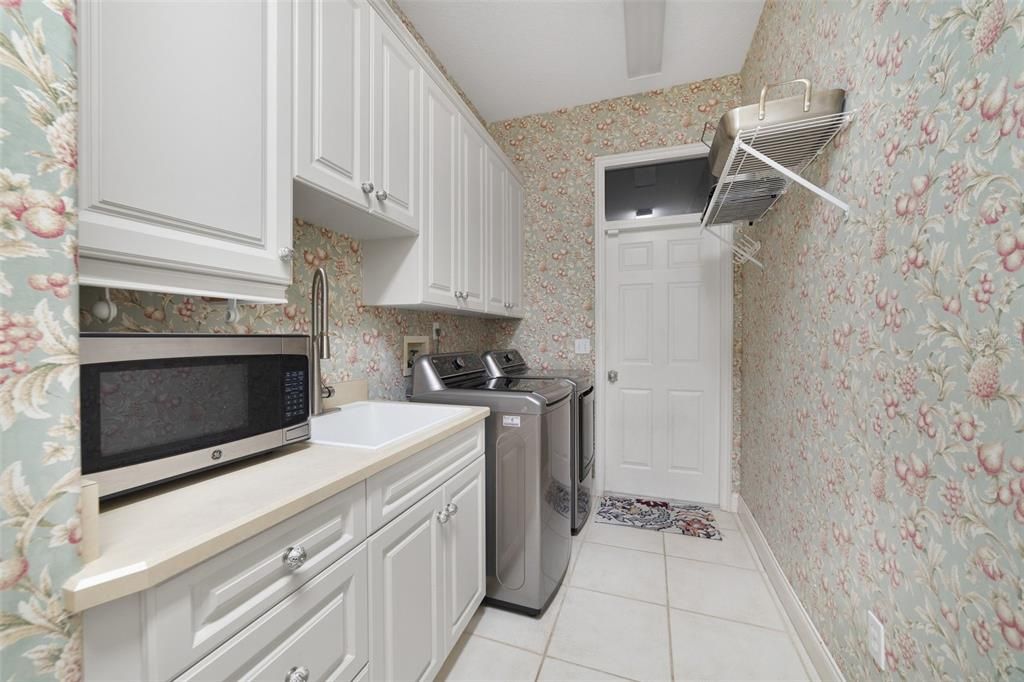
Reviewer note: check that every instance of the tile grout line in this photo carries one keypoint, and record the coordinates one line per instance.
(730, 620)
(567, 583)
(668, 612)
(588, 667)
(714, 563)
(635, 549)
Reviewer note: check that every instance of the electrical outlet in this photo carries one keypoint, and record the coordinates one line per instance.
(582, 346)
(876, 640)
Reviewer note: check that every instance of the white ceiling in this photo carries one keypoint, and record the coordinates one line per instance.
(517, 57)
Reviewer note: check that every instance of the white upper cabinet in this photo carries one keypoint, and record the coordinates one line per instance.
(185, 154)
(332, 92)
(514, 259)
(394, 130)
(497, 235)
(356, 128)
(473, 217)
(387, 152)
(440, 197)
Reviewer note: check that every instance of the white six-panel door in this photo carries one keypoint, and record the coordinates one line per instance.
(663, 339)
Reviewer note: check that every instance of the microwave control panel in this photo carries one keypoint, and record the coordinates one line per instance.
(295, 393)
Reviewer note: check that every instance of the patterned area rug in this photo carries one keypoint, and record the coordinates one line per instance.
(668, 517)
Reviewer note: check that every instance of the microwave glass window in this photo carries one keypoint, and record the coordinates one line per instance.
(141, 408)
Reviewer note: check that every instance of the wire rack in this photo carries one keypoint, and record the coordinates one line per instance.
(762, 164)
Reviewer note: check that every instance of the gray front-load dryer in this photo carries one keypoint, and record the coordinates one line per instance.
(529, 478)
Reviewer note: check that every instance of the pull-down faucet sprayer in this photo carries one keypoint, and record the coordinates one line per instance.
(321, 342)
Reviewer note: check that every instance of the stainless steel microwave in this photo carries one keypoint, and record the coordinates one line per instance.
(161, 406)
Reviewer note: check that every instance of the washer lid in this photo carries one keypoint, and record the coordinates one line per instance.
(549, 389)
(580, 377)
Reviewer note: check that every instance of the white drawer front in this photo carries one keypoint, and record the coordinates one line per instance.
(322, 627)
(194, 612)
(399, 487)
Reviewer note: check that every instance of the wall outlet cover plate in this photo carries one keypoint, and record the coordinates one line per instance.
(582, 346)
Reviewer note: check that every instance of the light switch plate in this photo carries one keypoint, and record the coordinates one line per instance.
(876, 640)
(582, 346)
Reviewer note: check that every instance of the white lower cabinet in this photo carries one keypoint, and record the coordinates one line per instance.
(317, 633)
(463, 538)
(427, 579)
(405, 620)
(387, 607)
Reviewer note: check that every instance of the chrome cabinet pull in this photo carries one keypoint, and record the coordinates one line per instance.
(443, 516)
(381, 195)
(451, 508)
(299, 673)
(286, 253)
(367, 188)
(294, 557)
(613, 376)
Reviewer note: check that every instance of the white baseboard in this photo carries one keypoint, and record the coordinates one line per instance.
(814, 645)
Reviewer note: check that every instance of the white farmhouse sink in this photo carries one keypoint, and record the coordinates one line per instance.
(374, 425)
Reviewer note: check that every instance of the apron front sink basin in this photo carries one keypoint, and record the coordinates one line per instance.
(376, 424)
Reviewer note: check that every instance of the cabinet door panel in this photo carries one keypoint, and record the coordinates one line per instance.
(515, 247)
(472, 227)
(440, 182)
(394, 126)
(497, 211)
(464, 545)
(190, 172)
(405, 595)
(332, 107)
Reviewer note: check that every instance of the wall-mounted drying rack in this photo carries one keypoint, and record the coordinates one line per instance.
(765, 158)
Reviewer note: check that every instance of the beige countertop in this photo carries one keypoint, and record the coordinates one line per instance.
(154, 535)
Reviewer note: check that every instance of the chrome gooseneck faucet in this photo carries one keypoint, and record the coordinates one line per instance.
(321, 342)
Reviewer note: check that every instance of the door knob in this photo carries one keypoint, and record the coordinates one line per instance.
(613, 376)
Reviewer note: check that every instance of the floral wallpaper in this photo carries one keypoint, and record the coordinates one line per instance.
(39, 527)
(883, 365)
(366, 341)
(555, 153)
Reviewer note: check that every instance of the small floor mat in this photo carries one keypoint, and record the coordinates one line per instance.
(661, 515)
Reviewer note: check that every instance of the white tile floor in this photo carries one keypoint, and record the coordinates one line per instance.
(642, 605)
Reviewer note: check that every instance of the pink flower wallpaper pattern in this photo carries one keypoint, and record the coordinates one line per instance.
(366, 341)
(39, 435)
(555, 153)
(883, 364)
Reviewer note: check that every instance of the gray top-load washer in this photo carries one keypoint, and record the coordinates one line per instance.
(529, 479)
(510, 363)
